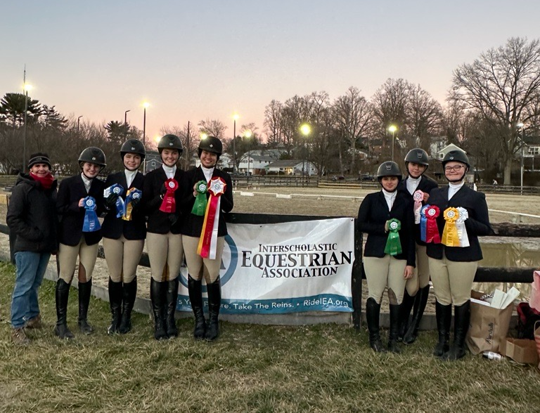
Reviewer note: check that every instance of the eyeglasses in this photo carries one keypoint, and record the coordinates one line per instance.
(454, 168)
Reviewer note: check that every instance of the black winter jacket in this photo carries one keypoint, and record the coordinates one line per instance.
(32, 216)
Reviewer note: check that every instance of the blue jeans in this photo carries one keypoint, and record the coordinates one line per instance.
(31, 268)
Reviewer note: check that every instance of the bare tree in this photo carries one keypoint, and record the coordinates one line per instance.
(272, 123)
(212, 127)
(503, 86)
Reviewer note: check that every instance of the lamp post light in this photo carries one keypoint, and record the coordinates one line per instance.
(521, 128)
(247, 135)
(305, 129)
(145, 105)
(235, 117)
(27, 87)
(79, 123)
(392, 129)
(125, 116)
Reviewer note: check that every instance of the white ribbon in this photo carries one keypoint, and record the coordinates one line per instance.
(461, 229)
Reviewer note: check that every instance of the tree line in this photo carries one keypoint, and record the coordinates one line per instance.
(492, 104)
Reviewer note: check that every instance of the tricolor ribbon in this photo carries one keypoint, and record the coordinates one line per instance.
(432, 231)
(116, 190)
(199, 207)
(169, 203)
(460, 225)
(208, 241)
(133, 197)
(393, 243)
(450, 236)
(418, 197)
(423, 223)
(91, 222)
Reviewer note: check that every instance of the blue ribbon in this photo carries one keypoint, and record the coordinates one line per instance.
(91, 222)
(423, 223)
(132, 194)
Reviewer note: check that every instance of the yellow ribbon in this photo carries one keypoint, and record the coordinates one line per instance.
(450, 236)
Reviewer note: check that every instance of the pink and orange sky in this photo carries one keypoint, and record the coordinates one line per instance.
(205, 60)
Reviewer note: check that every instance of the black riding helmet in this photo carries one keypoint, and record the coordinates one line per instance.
(170, 141)
(457, 156)
(133, 146)
(93, 155)
(211, 144)
(417, 155)
(388, 168)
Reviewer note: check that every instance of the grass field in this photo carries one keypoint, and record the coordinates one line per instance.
(252, 368)
(324, 368)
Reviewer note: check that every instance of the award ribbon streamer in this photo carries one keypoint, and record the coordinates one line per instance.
(423, 223)
(91, 222)
(432, 231)
(169, 203)
(418, 197)
(133, 196)
(208, 241)
(461, 229)
(199, 207)
(393, 243)
(450, 236)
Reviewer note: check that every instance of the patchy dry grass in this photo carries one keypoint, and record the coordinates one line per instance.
(251, 368)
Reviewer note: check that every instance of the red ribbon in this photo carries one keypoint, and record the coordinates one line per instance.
(169, 203)
(432, 231)
(208, 239)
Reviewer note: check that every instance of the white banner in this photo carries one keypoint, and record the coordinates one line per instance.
(285, 268)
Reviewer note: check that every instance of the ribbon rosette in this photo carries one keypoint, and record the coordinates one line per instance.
(393, 244)
(460, 225)
(450, 236)
(169, 203)
(208, 241)
(199, 207)
(432, 231)
(116, 190)
(133, 197)
(91, 223)
(418, 197)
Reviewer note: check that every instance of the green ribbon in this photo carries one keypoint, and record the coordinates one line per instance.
(393, 244)
(199, 207)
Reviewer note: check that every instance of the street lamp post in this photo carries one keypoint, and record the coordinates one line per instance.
(125, 116)
(521, 128)
(145, 105)
(392, 129)
(27, 87)
(79, 123)
(235, 117)
(305, 129)
(247, 135)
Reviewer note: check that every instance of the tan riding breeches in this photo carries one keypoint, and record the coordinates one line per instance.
(385, 272)
(452, 280)
(122, 256)
(67, 259)
(165, 252)
(199, 266)
(420, 278)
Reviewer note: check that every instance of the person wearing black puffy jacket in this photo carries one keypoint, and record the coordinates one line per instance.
(32, 219)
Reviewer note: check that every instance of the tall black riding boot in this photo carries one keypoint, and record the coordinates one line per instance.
(115, 302)
(129, 293)
(373, 311)
(420, 303)
(157, 295)
(172, 301)
(195, 296)
(404, 312)
(462, 316)
(62, 295)
(85, 290)
(443, 314)
(394, 328)
(214, 303)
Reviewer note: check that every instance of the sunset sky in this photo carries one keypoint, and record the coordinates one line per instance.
(194, 60)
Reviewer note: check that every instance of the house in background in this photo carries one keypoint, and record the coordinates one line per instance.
(291, 167)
